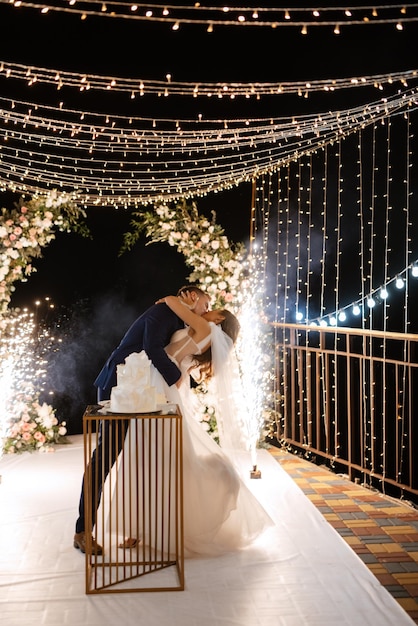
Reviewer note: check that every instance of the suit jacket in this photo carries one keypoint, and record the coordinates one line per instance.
(151, 332)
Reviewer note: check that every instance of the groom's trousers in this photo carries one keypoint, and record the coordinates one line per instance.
(110, 442)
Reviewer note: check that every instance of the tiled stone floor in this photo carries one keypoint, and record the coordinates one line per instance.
(381, 530)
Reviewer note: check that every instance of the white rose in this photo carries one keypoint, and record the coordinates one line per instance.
(215, 244)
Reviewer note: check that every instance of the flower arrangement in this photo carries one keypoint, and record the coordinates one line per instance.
(26, 229)
(25, 423)
(33, 426)
(217, 265)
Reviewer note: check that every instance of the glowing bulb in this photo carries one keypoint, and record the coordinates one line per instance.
(342, 316)
(323, 323)
(384, 293)
(414, 270)
(333, 321)
(370, 303)
(299, 316)
(356, 309)
(337, 29)
(399, 283)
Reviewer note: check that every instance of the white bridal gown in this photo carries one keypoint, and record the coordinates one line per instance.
(220, 512)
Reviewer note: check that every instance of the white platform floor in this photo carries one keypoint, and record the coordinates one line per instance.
(301, 572)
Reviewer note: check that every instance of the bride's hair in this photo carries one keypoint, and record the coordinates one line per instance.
(231, 327)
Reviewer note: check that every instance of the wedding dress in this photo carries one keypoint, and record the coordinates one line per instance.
(220, 512)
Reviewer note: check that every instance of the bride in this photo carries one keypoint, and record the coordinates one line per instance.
(220, 512)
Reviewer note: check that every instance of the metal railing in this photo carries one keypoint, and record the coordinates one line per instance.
(346, 396)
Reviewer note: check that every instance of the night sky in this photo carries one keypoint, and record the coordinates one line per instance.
(95, 291)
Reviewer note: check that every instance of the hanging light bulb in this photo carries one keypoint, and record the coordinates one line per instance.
(414, 270)
(356, 309)
(342, 316)
(299, 316)
(371, 303)
(323, 323)
(399, 283)
(332, 320)
(384, 293)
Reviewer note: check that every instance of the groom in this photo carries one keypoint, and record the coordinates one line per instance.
(150, 332)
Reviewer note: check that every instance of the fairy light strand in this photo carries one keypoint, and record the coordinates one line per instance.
(138, 87)
(212, 17)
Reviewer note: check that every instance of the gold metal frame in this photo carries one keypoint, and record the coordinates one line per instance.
(142, 499)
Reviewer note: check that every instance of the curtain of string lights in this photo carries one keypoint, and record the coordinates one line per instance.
(338, 233)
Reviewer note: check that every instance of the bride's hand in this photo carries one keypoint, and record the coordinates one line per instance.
(160, 301)
(186, 298)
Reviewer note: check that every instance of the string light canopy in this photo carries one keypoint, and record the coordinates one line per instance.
(125, 162)
(225, 16)
(136, 87)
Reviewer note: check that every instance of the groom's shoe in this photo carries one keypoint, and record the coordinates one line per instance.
(80, 544)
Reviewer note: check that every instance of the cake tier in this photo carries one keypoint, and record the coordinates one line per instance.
(127, 400)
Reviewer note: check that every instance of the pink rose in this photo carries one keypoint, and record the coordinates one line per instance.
(39, 437)
(12, 237)
(26, 436)
(24, 209)
(229, 297)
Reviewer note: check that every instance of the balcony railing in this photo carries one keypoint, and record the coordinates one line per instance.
(346, 397)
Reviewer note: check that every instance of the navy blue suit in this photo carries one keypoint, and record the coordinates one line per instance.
(151, 332)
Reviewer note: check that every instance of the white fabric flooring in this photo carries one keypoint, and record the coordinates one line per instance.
(301, 572)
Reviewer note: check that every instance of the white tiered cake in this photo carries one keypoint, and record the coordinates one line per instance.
(134, 392)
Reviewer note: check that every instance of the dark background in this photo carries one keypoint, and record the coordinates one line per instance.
(96, 292)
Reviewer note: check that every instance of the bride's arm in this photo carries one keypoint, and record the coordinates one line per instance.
(181, 308)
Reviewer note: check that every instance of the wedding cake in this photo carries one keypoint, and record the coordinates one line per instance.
(134, 392)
